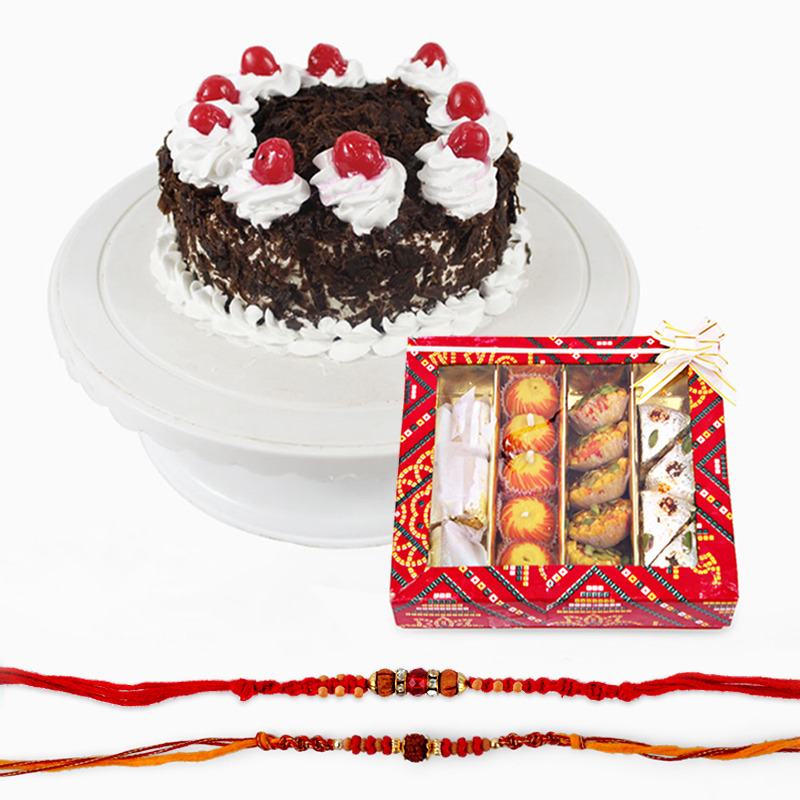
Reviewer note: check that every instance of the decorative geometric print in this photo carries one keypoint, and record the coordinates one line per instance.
(582, 596)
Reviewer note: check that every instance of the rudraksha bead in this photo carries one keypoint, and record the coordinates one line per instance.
(448, 683)
(416, 747)
(384, 682)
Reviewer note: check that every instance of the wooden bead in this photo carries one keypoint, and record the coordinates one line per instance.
(347, 742)
(448, 683)
(340, 677)
(454, 747)
(517, 687)
(324, 678)
(470, 748)
(384, 682)
(322, 691)
(476, 684)
(358, 692)
(497, 686)
(487, 743)
(339, 691)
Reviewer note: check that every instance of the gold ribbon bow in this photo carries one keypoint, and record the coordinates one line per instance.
(699, 348)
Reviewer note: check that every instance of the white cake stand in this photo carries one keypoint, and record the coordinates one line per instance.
(300, 449)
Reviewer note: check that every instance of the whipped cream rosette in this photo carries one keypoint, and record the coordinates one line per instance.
(261, 76)
(208, 145)
(327, 65)
(362, 187)
(429, 70)
(465, 103)
(267, 187)
(457, 176)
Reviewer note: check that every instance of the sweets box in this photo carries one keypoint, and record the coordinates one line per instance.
(622, 502)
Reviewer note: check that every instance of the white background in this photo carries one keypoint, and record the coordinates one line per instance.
(678, 121)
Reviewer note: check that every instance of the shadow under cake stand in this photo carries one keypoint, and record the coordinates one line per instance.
(299, 449)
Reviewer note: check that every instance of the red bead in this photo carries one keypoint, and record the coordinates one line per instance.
(205, 116)
(217, 87)
(469, 140)
(430, 52)
(465, 100)
(259, 61)
(417, 682)
(356, 153)
(273, 162)
(324, 57)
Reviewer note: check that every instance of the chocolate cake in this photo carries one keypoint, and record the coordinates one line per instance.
(308, 267)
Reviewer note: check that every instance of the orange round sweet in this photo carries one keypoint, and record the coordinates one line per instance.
(529, 473)
(533, 394)
(527, 518)
(529, 432)
(524, 554)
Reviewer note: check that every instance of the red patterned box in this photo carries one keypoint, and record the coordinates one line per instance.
(562, 594)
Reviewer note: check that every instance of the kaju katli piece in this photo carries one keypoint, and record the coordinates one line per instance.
(401, 682)
(414, 747)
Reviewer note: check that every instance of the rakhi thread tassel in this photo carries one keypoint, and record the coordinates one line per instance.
(416, 682)
(414, 747)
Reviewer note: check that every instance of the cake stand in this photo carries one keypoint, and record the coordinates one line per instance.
(299, 449)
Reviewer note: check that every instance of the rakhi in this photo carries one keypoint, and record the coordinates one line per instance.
(414, 747)
(401, 682)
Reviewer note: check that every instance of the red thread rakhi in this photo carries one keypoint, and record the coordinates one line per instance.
(415, 682)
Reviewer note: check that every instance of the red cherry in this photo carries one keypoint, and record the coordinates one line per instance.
(324, 57)
(217, 87)
(205, 116)
(259, 61)
(273, 162)
(469, 140)
(356, 153)
(465, 100)
(430, 52)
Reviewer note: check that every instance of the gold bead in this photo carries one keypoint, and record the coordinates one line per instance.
(337, 744)
(495, 744)
(462, 682)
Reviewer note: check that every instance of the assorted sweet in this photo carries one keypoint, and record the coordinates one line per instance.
(600, 485)
(584, 555)
(599, 507)
(529, 480)
(464, 447)
(565, 481)
(603, 406)
(529, 432)
(530, 473)
(668, 536)
(599, 447)
(674, 473)
(602, 525)
(527, 518)
(385, 225)
(534, 394)
(524, 554)
(659, 427)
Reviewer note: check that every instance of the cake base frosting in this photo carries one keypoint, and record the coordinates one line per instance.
(250, 325)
